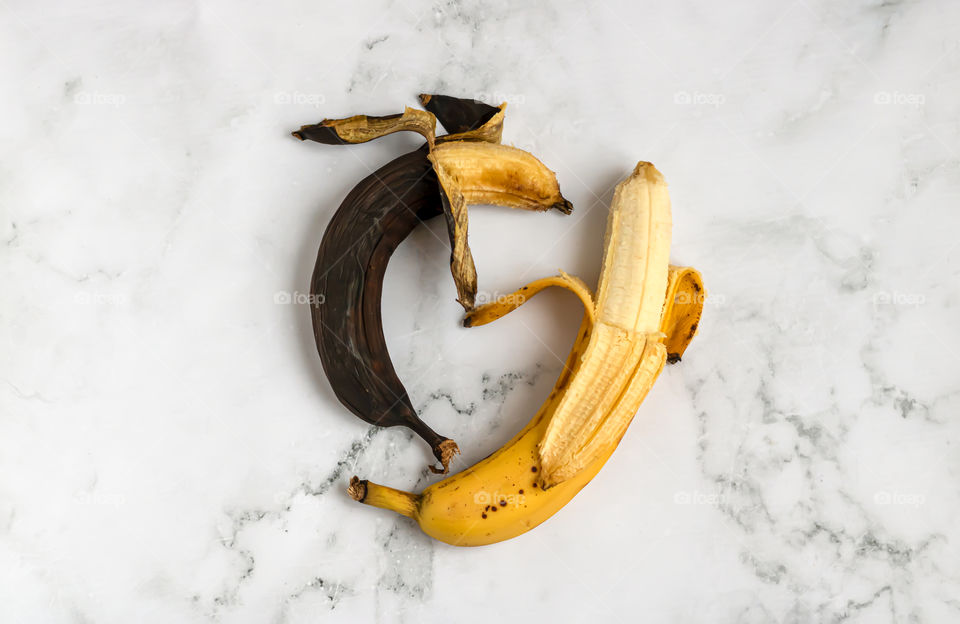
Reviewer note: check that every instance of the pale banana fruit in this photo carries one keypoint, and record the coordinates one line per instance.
(620, 349)
(625, 352)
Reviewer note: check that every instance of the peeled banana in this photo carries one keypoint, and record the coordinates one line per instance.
(642, 310)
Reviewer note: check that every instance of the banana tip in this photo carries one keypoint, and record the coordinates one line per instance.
(444, 452)
(647, 171)
(321, 133)
(564, 206)
(357, 489)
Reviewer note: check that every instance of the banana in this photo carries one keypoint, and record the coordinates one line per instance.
(374, 218)
(641, 306)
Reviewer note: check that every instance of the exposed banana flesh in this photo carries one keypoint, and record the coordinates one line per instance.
(640, 307)
(626, 345)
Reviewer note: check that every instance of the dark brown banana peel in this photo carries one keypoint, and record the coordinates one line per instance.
(374, 218)
(459, 115)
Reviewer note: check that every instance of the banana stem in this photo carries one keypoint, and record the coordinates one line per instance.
(404, 503)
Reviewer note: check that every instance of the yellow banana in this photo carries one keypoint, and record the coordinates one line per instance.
(618, 353)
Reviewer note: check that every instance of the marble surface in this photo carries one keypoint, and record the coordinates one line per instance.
(170, 450)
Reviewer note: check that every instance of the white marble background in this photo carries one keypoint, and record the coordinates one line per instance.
(171, 452)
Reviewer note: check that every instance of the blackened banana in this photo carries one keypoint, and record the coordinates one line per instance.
(371, 222)
(376, 216)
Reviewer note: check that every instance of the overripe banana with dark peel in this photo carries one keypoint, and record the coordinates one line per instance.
(372, 221)
(618, 353)
(487, 173)
(378, 214)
